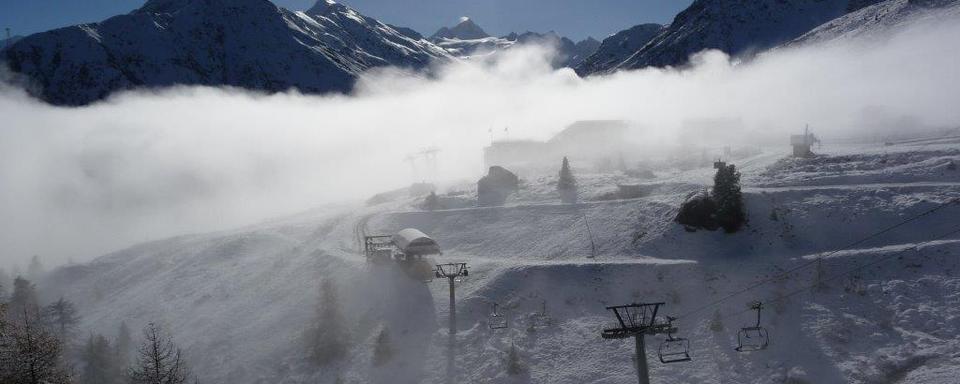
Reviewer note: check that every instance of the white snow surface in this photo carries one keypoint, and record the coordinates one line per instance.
(238, 301)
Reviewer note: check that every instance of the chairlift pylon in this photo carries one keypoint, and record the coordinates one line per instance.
(754, 338)
(673, 349)
(497, 319)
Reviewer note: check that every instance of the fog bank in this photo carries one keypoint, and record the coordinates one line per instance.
(75, 183)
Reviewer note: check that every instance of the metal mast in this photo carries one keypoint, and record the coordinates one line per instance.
(452, 271)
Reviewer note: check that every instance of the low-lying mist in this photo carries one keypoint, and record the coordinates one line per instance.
(78, 182)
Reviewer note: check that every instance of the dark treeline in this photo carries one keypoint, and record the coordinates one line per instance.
(42, 344)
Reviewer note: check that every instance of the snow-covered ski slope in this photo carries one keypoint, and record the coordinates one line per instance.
(239, 300)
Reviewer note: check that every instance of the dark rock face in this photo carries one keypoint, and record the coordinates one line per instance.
(617, 48)
(494, 188)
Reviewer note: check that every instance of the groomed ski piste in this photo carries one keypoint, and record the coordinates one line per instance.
(873, 224)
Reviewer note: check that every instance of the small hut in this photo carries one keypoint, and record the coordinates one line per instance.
(802, 143)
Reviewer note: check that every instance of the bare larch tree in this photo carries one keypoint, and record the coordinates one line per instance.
(159, 360)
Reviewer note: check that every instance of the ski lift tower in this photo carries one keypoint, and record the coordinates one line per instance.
(452, 271)
(637, 321)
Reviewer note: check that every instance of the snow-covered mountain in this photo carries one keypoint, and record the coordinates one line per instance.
(617, 47)
(468, 40)
(466, 29)
(879, 18)
(737, 28)
(251, 44)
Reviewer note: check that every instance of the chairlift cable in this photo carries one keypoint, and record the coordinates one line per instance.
(822, 256)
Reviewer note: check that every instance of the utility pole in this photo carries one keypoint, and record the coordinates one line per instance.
(637, 321)
(452, 271)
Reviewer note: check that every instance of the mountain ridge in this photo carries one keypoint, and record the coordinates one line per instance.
(252, 44)
(738, 31)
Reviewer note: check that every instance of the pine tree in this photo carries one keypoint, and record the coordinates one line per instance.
(31, 355)
(123, 344)
(24, 297)
(567, 183)
(5, 283)
(730, 213)
(328, 335)
(62, 319)
(100, 364)
(431, 202)
(35, 269)
(159, 360)
(383, 349)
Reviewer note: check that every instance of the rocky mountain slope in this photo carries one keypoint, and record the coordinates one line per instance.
(617, 47)
(879, 18)
(738, 28)
(252, 44)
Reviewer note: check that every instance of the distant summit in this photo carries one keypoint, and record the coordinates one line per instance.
(465, 30)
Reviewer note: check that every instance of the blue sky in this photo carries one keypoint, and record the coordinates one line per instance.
(574, 18)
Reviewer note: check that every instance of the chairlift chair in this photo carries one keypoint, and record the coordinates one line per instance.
(754, 338)
(497, 320)
(541, 319)
(673, 349)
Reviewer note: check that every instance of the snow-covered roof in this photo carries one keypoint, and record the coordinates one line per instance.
(413, 242)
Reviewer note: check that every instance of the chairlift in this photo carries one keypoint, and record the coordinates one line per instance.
(497, 319)
(753, 338)
(673, 349)
(541, 319)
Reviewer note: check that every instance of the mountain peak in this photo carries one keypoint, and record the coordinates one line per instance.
(324, 6)
(466, 29)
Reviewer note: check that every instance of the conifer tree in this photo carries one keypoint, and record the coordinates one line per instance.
(5, 284)
(328, 335)
(35, 269)
(100, 363)
(123, 344)
(23, 298)
(62, 319)
(730, 214)
(431, 202)
(383, 348)
(31, 355)
(159, 360)
(567, 183)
